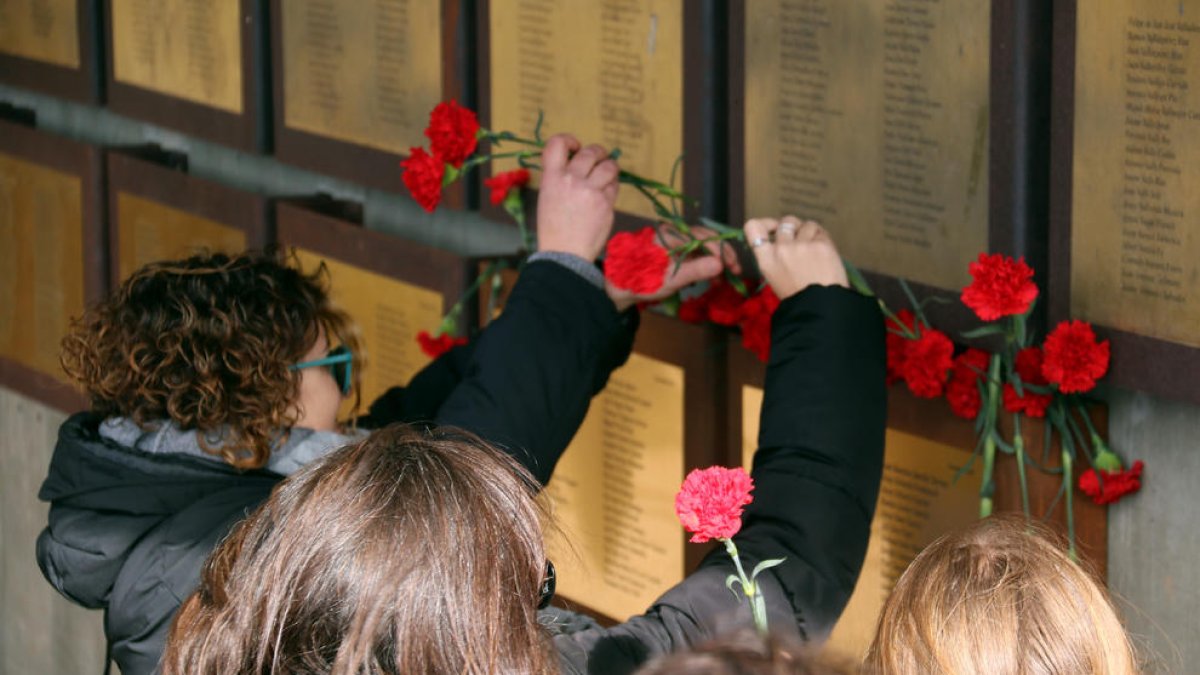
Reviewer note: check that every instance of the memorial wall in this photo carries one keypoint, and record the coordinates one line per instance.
(890, 121)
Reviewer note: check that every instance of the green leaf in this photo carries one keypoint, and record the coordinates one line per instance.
(765, 565)
(857, 280)
(729, 582)
(670, 304)
(912, 300)
(737, 283)
(983, 331)
(1002, 444)
(537, 128)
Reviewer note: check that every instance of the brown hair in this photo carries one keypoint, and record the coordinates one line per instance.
(411, 552)
(745, 652)
(999, 597)
(206, 343)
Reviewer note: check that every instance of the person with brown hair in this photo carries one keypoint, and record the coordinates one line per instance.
(422, 552)
(746, 652)
(212, 378)
(1000, 596)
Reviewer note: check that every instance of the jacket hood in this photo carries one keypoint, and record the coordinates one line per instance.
(105, 498)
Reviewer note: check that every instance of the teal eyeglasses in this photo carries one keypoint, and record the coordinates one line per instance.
(340, 362)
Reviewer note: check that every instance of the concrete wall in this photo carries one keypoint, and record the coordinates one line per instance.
(1154, 538)
(40, 632)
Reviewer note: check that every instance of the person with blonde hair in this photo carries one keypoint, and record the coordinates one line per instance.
(422, 551)
(999, 597)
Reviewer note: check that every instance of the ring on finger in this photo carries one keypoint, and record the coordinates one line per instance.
(758, 241)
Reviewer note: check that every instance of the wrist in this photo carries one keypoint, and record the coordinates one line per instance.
(567, 249)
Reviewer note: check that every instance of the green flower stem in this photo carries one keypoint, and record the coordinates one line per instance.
(450, 321)
(987, 487)
(1068, 480)
(625, 176)
(758, 606)
(697, 244)
(1019, 451)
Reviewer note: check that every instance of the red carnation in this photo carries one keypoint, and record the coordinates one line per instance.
(501, 183)
(721, 304)
(896, 344)
(1073, 359)
(1110, 486)
(725, 303)
(710, 502)
(453, 132)
(1029, 369)
(423, 176)
(1001, 287)
(756, 322)
(927, 360)
(962, 392)
(636, 262)
(694, 309)
(436, 346)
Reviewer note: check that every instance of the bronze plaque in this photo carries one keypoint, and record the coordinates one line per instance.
(365, 73)
(1135, 247)
(41, 261)
(610, 72)
(41, 30)
(188, 49)
(613, 493)
(872, 118)
(388, 313)
(919, 500)
(148, 231)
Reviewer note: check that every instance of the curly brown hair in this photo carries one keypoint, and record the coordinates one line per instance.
(207, 343)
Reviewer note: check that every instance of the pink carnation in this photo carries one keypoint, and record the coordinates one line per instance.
(710, 502)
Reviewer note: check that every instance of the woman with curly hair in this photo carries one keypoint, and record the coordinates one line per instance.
(214, 377)
(423, 552)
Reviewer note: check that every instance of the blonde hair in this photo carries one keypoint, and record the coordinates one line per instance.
(999, 597)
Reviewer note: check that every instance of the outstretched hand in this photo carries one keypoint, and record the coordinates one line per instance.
(793, 254)
(693, 270)
(577, 197)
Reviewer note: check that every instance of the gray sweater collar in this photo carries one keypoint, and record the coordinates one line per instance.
(299, 448)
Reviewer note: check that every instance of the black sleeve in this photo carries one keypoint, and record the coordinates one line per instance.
(419, 400)
(534, 370)
(816, 476)
(820, 457)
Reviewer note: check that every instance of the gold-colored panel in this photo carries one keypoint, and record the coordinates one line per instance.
(388, 313)
(872, 118)
(41, 261)
(919, 500)
(752, 398)
(189, 49)
(367, 73)
(148, 231)
(1135, 247)
(613, 493)
(610, 72)
(41, 30)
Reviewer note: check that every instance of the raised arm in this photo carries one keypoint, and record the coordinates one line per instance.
(816, 473)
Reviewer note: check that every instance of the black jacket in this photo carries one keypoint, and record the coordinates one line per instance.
(816, 475)
(129, 531)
